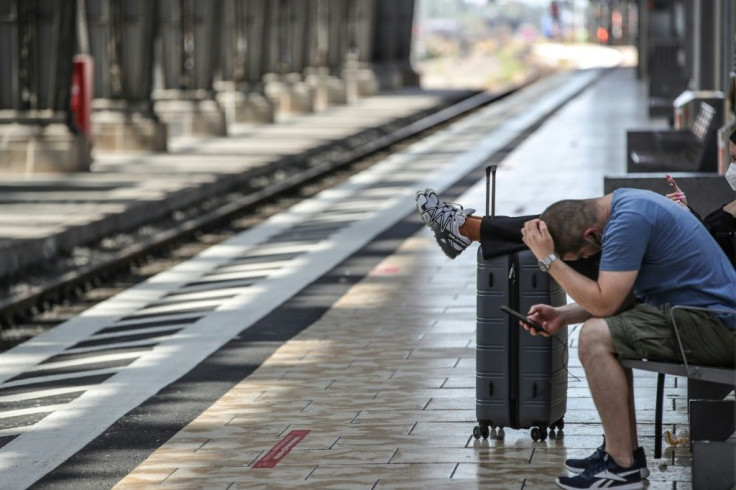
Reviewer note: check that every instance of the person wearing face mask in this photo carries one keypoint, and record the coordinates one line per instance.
(653, 255)
(721, 223)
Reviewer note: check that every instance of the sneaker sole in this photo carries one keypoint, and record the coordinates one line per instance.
(448, 242)
(631, 486)
(644, 472)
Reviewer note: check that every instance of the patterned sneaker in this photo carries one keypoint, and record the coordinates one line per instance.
(604, 473)
(445, 220)
(428, 203)
(577, 466)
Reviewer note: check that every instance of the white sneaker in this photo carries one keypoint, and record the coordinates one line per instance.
(427, 205)
(445, 220)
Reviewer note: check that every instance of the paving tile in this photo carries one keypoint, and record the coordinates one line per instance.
(414, 441)
(401, 472)
(501, 456)
(184, 477)
(444, 484)
(384, 416)
(340, 455)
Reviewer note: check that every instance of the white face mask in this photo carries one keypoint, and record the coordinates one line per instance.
(731, 175)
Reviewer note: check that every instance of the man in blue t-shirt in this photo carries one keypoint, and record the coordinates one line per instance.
(654, 255)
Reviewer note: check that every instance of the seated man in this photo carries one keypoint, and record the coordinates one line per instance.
(654, 254)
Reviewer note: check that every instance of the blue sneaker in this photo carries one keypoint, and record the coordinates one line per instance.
(604, 473)
(579, 465)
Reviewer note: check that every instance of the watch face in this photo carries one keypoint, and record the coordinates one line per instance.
(547, 261)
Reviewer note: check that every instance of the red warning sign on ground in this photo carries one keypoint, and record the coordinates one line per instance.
(280, 450)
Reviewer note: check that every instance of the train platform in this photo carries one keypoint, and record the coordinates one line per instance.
(333, 345)
(44, 215)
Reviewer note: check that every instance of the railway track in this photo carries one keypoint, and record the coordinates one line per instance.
(69, 285)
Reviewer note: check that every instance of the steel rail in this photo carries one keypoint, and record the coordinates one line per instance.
(18, 307)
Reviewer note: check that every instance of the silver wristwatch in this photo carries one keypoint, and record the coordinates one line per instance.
(546, 262)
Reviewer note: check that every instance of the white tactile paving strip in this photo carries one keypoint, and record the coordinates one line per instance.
(74, 381)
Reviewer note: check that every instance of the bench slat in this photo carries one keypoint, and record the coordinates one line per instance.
(725, 376)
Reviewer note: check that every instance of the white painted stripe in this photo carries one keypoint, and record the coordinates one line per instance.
(142, 330)
(219, 275)
(87, 416)
(58, 377)
(170, 317)
(175, 308)
(15, 431)
(42, 394)
(92, 359)
(262, 268)
(117, 345)
(199, 295)
(29, 411)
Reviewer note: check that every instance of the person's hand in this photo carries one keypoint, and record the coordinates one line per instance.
(678, 197)
(547, 316)
(730, 208)
(536, 236)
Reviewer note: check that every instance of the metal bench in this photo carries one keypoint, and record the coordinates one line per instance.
(712, 419)
(683, 150)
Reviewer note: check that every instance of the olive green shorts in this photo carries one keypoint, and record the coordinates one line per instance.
(645, 332)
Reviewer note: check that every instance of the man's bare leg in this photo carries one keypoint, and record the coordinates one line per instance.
(610, 389)
(471, 228)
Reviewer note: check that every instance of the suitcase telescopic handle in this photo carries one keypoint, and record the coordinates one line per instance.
(491, 179)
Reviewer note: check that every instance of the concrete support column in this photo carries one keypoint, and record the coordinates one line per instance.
(384, 45)
(642, 47)
(703, 40)
(121, 35)
(327, 88)
(240, 90)
(37, 129)
(295, 20)
(284, 87)
(392, 43)
(405, 27)
(358, 72)
(188, 53)
(706, 39)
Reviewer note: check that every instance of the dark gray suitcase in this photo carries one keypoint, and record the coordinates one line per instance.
(521, 380)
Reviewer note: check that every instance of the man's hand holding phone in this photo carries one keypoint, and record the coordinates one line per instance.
(551, 319)
(529, 325)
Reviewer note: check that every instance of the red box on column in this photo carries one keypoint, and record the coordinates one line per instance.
(81, 96)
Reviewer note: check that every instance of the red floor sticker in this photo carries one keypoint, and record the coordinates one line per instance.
(281, 449)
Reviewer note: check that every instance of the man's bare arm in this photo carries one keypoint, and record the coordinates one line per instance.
(601, 298)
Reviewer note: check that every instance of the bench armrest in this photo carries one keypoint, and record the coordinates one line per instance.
(677, 330)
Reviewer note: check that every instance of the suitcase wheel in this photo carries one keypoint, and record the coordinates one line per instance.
(560, 424)
(539, 433)
(476, 432)
(481, 431)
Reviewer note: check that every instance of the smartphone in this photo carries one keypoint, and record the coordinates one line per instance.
(519, 316)
(671, 182)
